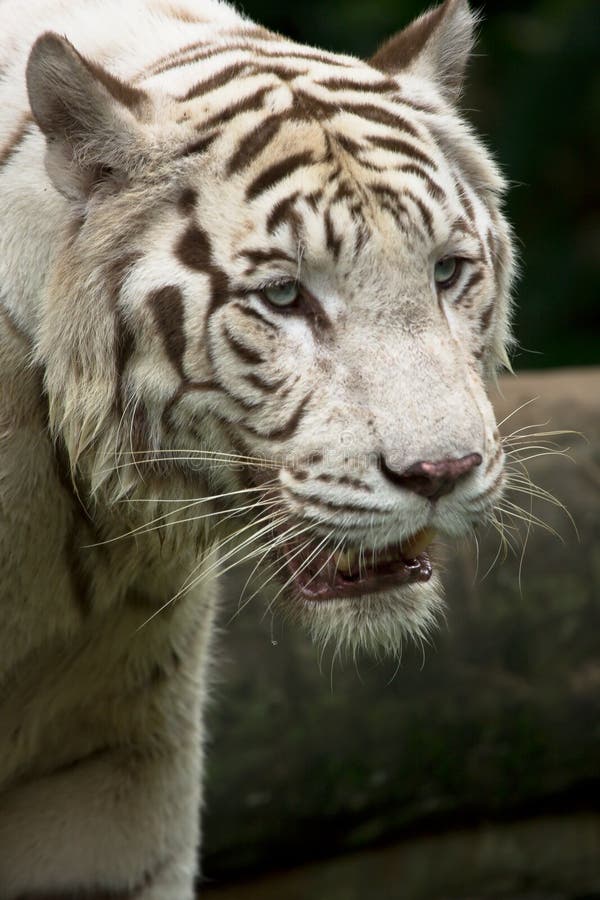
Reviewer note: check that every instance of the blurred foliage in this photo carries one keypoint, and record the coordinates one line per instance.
(534, 93)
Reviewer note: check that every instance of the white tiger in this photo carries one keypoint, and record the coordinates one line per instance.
(261, 280)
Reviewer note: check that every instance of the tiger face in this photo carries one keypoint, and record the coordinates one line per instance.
(288, 273)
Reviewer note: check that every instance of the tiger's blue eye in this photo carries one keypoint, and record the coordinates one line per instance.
(283, 294)
(446, 271)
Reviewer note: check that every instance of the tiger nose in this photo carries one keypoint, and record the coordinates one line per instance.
(431, 479)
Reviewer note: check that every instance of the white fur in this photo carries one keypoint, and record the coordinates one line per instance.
(102, 679)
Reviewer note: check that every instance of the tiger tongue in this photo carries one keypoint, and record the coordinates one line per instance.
(418, 542)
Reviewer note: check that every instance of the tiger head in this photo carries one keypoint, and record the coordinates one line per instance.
(285, 272)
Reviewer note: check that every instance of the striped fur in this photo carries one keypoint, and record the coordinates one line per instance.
(161, 164)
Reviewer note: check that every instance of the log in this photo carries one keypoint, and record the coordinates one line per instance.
(498, 717)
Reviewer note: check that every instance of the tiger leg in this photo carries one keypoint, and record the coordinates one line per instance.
(114, 826)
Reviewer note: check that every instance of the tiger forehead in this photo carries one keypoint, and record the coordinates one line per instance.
(353, 151)
(357, 112)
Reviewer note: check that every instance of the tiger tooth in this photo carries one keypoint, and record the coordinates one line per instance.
(417, 543)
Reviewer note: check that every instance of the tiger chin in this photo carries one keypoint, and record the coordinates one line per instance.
(251, 295)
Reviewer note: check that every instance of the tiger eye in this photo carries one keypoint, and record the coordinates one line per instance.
(445, 271)
(283, 294)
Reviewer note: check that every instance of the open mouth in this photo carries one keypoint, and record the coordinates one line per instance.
(323, 575)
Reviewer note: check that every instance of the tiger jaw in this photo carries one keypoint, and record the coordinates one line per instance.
(353, 572)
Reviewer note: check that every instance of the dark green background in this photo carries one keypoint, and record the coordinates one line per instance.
(534, 93)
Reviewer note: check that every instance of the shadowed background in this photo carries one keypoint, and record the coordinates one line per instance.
(474, 770)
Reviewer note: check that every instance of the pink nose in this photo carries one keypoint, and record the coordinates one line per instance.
(432, 479)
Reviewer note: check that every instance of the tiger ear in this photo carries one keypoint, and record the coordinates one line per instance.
(91, 119)
(435, 46)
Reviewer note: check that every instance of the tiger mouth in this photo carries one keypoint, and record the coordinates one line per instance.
(323, 575)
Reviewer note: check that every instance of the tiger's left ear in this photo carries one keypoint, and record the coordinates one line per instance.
(92, 121)
(435, 46)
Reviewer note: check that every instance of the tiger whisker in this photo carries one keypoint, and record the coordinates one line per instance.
(146, 525)
(242, 606)
(270, 546)
(525, 433)
(234, 553)
(499, 526)
(291, 577)
(222, 463)
(271, 523)
(524, 428)
(524, 547)
(524, 459)
(130, 400)
(303, 568)
(521, 482)
(284, 538)
(517, 512)
(551, 447)
(265, 486)
(515, 411)
(228, 514)
(199, 451)
(190, 583)
(473, 534)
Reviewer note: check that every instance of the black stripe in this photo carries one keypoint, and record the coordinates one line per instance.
(284, 211)
(187, 201)
(167, 308)
(277, 172)
(397, 145)
(384, 86)
(337, 507)
(254, 313)
(257, 258)
(314, 198)
(267, 386)
(194, 251)
(348, 144)
(187, 56)
(378, 114)
(390, 201)
(418, 107)
(333, 241)
(362, 238)
(305, 54)
(24, 128)
(250, 103)
(253, 143)
(473, 279)
(342, 192)
(466, 203)
(184, 388)
(199, 146)
(461, 224)
(246, 353)
(123, 92)
(426, 213)
(287, 430)
(219, 79)
(433, 187)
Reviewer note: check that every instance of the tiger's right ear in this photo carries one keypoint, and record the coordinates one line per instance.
(436, 46)
(91, 119)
